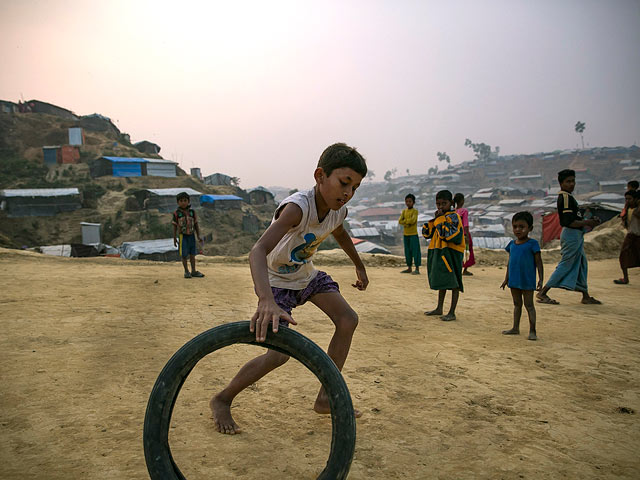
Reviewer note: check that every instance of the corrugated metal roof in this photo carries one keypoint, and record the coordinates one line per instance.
(173, 191)
(39, 192)
(365, 232)
(138, 160)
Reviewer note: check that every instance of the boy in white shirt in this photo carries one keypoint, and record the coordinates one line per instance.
(284, 276)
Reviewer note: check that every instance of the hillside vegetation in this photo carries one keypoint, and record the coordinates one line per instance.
(22, 137)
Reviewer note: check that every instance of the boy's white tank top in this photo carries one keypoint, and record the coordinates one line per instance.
(289, 263)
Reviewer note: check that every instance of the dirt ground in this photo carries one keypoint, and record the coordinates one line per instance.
(83, 341)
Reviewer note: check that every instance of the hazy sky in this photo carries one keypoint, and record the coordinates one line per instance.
(257, 89)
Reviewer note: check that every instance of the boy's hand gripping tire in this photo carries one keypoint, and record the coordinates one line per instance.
(163, 397)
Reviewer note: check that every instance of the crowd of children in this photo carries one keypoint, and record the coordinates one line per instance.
(284, 276)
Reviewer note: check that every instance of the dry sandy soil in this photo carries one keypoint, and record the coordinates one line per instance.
(83, 341)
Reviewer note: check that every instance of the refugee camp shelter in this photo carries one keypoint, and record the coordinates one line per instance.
(261, 196)
(39, 202)
(217, 179)
(133, 167)
(379, 213)
(196, 172)
(90, 233)
(164, 199)
(147, 147)
(614, 186)
(221, 202)
(161, 250)
(8, 107)
(60, 154)
(76, 136)
(364, 246)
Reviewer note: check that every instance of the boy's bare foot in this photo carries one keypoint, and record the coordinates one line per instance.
(532, 336)
(221, 412)
(449, 317)
(591, 301)
(415, 272)
(465, 272)
(323, 408)
(437, 311)
(513, 331)
(408, 270)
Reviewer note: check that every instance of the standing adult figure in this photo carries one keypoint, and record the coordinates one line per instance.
(571, 272)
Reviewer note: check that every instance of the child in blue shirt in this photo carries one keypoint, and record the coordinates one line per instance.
(524, 259)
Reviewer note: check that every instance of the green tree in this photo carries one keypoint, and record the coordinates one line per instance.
(580, 126)
(482, 151)
(390, 174)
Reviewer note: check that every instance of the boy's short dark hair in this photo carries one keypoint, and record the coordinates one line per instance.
(526, 216)
(564, 174)
(411, 196)
(458, 198)
(182, 195)
(341, 155)
(444, 195)
(633, 184)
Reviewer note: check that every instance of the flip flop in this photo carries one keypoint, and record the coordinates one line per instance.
(620, 282)
(548, 301)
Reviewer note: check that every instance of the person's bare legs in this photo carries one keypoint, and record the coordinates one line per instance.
(185, 265)
(250, 373)
(438, 311)
(516, 294)
(455, 294)
(192, 259)
(531, 311)
(345, 320)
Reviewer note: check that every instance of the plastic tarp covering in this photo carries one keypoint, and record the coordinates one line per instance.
(551, 228)
(215, 198)
(126, 169)
(370, 247)
(173, 191)
(56, 250)
(132, 250)
(493, 243)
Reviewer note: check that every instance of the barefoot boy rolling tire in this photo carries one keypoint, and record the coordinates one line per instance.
(284, 276)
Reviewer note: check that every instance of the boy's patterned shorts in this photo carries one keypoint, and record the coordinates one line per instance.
(289, 299)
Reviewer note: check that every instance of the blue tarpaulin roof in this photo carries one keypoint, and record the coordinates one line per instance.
(215, 198)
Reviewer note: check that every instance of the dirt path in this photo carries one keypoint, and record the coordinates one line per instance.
(83, 341)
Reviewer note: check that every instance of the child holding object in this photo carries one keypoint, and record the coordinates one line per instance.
(185, 231)
(409, 220)
(524, 260)
(284, 276)
(445, 254)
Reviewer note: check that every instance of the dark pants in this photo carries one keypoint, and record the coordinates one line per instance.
(412, 252)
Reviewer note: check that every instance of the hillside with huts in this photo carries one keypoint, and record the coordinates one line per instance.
(495, 187)
(67, 181)
(77, 185)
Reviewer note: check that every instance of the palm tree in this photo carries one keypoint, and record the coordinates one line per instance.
(579, 129)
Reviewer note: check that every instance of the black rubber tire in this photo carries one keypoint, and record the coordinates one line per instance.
(163, 397)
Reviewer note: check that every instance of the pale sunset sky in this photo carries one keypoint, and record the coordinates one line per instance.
(257, 89)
